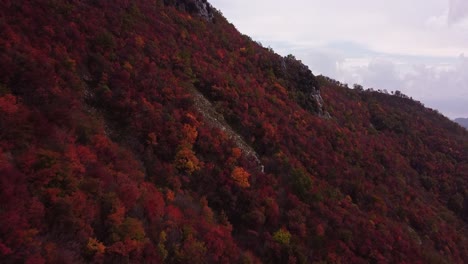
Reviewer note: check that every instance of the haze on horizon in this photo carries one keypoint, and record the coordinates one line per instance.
(418, 47)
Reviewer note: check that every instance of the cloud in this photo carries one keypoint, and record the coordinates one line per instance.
(440, 85)
(440, 81)
(382, 74)
(438, 21)
(416, 27)
(458, 11)
(325, 62)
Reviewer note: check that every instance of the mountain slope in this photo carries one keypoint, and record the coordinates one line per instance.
(153, 131)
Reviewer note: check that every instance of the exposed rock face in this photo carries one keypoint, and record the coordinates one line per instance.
(204, 9)
(305, 87)
(319, 102)
(199, 7)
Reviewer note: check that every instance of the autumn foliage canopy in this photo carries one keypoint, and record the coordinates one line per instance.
(154, 132)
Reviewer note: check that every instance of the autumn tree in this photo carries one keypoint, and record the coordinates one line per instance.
(240, 177)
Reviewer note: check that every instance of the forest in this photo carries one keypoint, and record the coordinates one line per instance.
(152, 131)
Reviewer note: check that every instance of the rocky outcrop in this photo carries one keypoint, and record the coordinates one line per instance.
(199, 7)
(303, 85)
(318, 100)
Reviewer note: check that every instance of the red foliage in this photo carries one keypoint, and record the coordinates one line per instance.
(103, 138)
(153, 202)
(8, 104)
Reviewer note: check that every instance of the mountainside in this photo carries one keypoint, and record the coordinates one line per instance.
(152, 131)
(462, 121)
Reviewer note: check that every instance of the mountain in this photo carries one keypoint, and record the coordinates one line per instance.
(462, 121)
(152, 131)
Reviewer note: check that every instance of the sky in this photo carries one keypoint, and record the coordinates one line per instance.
(419, 47)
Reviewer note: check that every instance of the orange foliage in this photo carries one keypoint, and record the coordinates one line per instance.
(241, 177)
(152, 139)
(186, 161)
(189, 134)
(95, 246)
(235, 155)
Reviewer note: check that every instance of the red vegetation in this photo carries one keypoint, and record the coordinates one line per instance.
(105, 157)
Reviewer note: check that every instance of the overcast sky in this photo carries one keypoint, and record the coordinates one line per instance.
(419, 47)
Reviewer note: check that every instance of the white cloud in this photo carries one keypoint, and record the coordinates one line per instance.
(440, 85)
(458, 10)
(438, 21)
(382, 74)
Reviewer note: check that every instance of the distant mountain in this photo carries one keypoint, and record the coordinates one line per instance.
(152, 131)
(462, 121)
